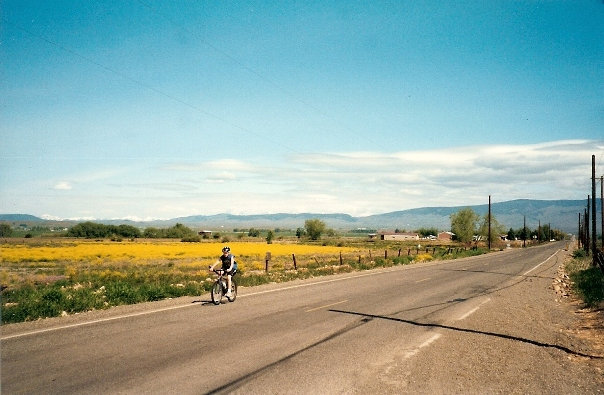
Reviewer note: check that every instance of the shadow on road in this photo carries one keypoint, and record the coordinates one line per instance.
(203, 302)
(473, 331)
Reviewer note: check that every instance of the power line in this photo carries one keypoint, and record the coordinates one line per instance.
(147, 86)
(252, 71)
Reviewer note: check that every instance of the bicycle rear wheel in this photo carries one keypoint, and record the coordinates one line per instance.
(216, 293)
(233, 291)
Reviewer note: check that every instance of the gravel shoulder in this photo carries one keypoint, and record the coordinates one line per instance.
(527, 339)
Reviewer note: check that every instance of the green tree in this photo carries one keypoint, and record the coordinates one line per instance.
(425, 232)
(152, 233)
(128, 231)
(300, 232)
(179, 231)
(496, 228)
(314, 228)
(5, 230)
(269, 237)
(89, 230)
(463, 224)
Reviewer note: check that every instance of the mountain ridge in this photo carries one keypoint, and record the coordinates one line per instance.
(560, 214)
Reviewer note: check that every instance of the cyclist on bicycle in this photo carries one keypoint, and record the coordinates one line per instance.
(228, 265)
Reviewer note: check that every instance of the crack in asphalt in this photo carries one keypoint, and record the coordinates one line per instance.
(472, 331)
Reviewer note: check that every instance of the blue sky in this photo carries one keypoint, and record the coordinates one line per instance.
(150, 109)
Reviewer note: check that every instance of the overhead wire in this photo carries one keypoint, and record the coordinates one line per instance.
(147, 86)
(254, 72)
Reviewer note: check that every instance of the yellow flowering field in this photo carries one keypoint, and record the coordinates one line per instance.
(148, 251)
(45, 278)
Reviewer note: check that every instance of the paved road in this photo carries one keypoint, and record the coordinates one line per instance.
(382, 330)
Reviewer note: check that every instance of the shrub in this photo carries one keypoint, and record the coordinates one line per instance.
(590, 285)
(579, 253)
(424, 258)
(588, 281)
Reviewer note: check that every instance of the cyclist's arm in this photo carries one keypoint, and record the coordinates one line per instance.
(214, 265)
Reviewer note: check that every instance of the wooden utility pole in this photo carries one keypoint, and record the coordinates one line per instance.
(594, 238)
(524, 233)
(539, 233)
(580, 234)
(587, 240)
(489, 237)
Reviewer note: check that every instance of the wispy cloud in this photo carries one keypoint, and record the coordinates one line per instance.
(62, 186)
(357, 183)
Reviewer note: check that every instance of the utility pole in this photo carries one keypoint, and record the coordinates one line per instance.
(602, 208)
(489, 222)
(539, 233)
(524, 233)
(579, 234)
(587, 241)
(594, 238)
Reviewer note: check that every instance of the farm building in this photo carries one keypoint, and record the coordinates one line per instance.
(446, 236)
(398, 236)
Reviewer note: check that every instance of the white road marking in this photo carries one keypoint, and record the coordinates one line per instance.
(525, 273)
(119, 317)
(475, 309)
(327, 305)
(421, 281)
(417, 349)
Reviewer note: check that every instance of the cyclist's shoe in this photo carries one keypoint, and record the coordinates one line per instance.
(228, 294)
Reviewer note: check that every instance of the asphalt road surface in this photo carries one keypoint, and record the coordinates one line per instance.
(486, 324)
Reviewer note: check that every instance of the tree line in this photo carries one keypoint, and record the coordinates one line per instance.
(466, 224)
(92, 230)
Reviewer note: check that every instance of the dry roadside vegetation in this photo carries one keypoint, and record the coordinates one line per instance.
(582, 285)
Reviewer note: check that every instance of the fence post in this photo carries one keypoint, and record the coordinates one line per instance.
(294, 258)
(385, 254)
(340, 258)
(267, 258)
(399, 252)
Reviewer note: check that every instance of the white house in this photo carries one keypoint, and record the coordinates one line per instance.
(398, 236)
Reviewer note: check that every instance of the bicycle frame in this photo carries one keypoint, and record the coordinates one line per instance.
(219, 289)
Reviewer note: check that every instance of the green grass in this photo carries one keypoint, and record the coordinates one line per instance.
(588, 280)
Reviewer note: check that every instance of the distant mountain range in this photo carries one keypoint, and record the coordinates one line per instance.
(560, 214)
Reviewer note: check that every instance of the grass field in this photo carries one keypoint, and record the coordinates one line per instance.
(51, 277)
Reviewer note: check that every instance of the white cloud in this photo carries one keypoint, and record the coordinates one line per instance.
(356, 183)
(63, 186)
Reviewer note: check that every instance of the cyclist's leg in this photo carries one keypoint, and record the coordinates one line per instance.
(229, 282)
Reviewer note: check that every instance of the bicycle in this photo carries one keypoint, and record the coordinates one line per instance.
(219, 289)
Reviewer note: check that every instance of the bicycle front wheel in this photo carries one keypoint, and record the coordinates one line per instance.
(216, 293)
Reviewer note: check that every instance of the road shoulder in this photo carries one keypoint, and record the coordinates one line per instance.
(525, 340)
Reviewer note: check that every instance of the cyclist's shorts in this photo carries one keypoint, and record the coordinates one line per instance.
(232, 272)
